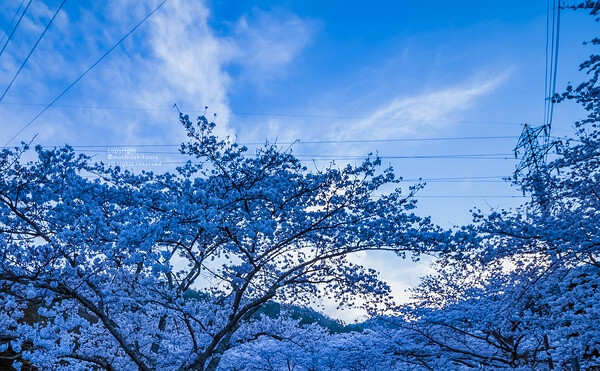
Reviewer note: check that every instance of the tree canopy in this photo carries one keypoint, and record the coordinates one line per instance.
(213, 266)
(105, 260)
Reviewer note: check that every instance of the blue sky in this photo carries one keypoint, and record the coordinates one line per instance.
(307, 70)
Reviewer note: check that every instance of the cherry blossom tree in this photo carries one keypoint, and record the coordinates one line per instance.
(108, 269)
(520, 288)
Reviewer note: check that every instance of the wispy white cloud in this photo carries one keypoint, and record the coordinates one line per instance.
(185, 62)
(174, 58)
(405, 116)
(267, 42)
(421, 114)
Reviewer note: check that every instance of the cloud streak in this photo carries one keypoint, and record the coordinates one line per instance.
(267, 42)
(420, 114)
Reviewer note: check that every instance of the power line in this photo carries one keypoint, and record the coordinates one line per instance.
(465, 179)
(319, 156)
(384, 157)
(399, 140)
(32, 49)
(459, 178)
(460, 196)
(12, 20)
(355, 158)
(134, 151)
(550, 63)
(555, 66)
(535, 153)
(332, 141)
(452, 179)
(263, 114)
(552, 52)
(461, 181)
(16, 25)
(326, 155)
(303, 157)
(414, 196)
(467, 196)
(546, 78)
(86, 71)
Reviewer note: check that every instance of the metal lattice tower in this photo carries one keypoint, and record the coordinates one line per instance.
(535, 144)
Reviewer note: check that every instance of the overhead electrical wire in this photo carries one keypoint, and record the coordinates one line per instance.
(468, 196)
(32, 49)
(483, 156)
(362, 158)
(332, 141)
(547, 62)
(303, 157)
(417, 195)
(307, 157)
(12, 32)
(263, 114)
(458, 178)
(555, 64)
(468, 179)
(550, 62)
(85, 72)
(9, 26)
(97, 149)
(552, 53)
(475, 179)
(463, 179)
(432, 139)
(321, 157)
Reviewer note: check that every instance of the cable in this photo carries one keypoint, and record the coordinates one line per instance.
(449, 180)
(322, 155)
(555, 67)
(397, 140)
(461, 178)
(32, 49)
(460, 196)
(333, 141)
(325, 156)
(86, 71)
(550, 61)
(546, 74)
(467, 196)
(12, 20)
(484, 156)
(337, 117)
(16, 25)
(464, 179)
(362, 158)
(459, 181)
(552, 52)
(444, 157)
(383, 157)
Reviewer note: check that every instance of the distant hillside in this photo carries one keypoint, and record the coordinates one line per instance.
(304, 314)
